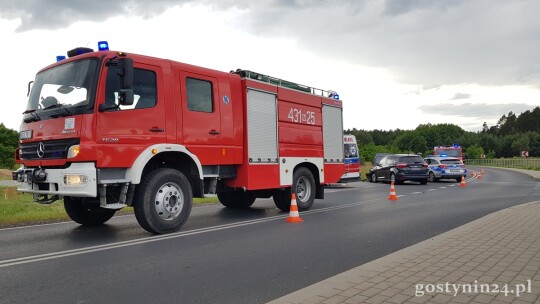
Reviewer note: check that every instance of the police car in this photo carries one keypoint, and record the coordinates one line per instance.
(445, 167)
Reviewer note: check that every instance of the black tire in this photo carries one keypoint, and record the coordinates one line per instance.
(373, 177)
(86, 211)
(424, 181)
(236, 199)
(304, 188)
(304, 185)
(282, 199)
(431, 177)
(163, 200)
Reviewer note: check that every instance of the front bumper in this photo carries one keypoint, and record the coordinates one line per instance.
(59, 181)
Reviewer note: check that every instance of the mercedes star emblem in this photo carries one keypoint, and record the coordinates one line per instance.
(41, 150)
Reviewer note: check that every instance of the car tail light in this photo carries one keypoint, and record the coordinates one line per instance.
(442, 166)
(425, 165)
(401, 166)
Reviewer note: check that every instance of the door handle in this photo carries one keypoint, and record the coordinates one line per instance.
(213, 132)
(156, 129)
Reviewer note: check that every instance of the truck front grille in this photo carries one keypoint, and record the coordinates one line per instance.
(50, 149)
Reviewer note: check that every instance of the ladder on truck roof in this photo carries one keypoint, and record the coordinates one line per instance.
(284, 83)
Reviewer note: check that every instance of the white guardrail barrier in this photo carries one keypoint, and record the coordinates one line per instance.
(522, 163)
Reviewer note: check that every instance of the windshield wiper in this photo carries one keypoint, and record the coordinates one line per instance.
(65, 111)
(32, 117)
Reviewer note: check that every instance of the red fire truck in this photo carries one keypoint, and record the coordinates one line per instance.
(104, 130)
(453, 151)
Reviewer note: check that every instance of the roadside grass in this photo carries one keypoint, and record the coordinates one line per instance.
(5, 174)
(364, 168)
(18, 209)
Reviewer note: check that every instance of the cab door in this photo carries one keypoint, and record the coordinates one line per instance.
(200, 125)
(123, 132)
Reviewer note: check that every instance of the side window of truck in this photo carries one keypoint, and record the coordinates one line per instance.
(199, 95)
(144, 89)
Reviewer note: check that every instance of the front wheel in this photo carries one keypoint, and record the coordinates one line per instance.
(431, 177)
(86, 211)
(373, 178)
(163, 201)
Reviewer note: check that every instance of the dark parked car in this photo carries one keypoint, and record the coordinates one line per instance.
(400, 168)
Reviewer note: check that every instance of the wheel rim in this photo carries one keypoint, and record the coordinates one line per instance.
(169, 201)
(431, 176)
(303, 189)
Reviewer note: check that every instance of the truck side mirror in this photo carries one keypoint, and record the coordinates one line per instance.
(125, 97)
(125, 79)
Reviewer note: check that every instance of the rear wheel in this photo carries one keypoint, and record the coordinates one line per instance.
(236, 199)
(431, 177)
(86, 211)
(163, 201)
(304, 189)
(424, 181)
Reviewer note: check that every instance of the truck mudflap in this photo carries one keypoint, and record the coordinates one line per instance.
(77, 180)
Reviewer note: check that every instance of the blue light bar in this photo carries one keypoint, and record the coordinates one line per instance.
(60, 58)
(333, 95)
(456, 146)
(103, 46)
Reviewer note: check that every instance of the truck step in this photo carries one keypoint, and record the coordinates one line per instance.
(114, 206)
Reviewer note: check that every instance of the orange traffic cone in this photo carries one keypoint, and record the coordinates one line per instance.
(393, 196)
(463, 183)
(479, 175)
(294, 216)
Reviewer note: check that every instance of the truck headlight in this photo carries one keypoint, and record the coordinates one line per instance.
(73, 151)
(75, 179)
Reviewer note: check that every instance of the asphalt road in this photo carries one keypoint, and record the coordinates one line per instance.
(241, 256)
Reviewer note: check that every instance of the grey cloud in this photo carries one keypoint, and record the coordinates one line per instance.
(398, 7)
(431, 87)
(54, 14)
(475, 110)
(487, 42)
(445, 42)
(461, 96)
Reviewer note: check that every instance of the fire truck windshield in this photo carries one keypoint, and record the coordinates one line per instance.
(449, 152)
(70, 85)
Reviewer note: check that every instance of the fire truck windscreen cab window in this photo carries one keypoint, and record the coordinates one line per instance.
(144, 89)
(69, 86)
(199, 95)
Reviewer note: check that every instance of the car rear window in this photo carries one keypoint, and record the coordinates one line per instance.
(411, 159)
(451, 162)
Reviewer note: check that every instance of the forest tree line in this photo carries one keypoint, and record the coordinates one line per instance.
(512, 134)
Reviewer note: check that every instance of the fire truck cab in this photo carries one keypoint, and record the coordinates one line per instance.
(104, 130)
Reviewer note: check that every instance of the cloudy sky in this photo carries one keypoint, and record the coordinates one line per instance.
(395, 63)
